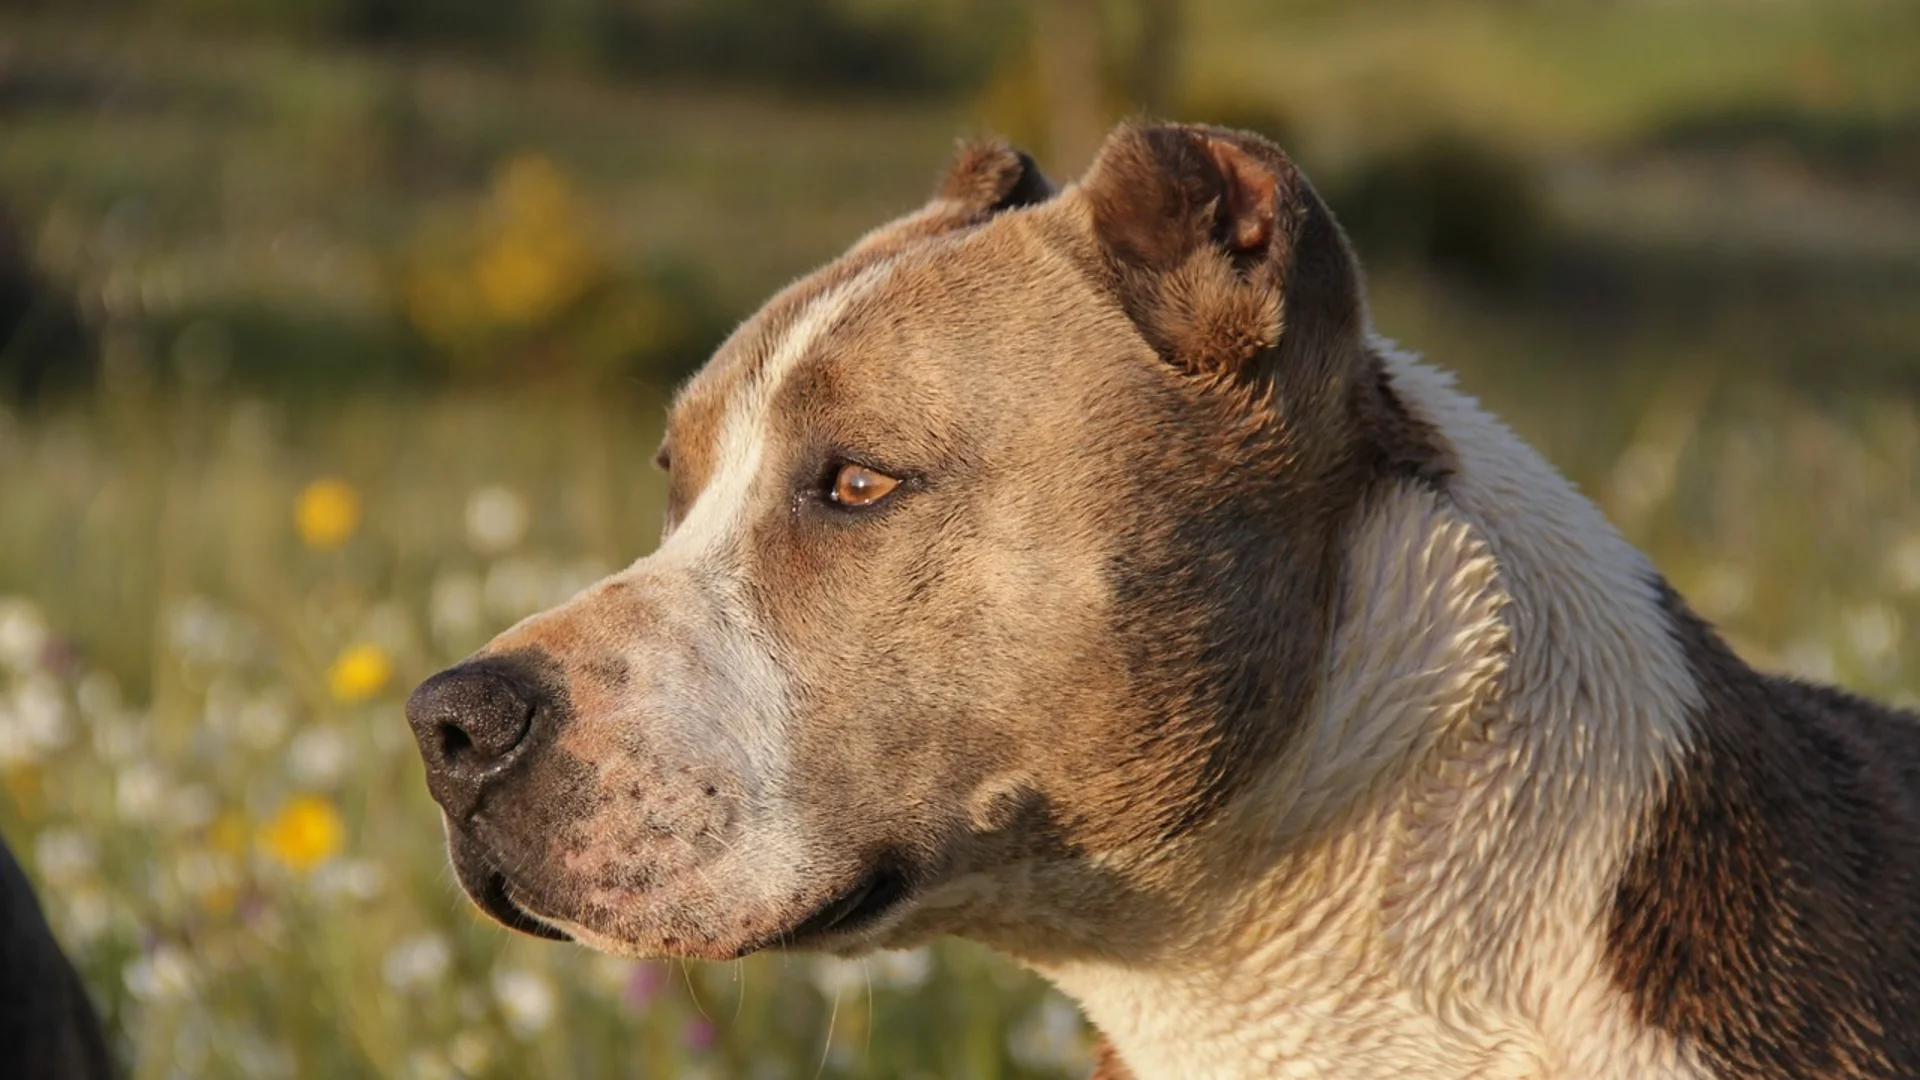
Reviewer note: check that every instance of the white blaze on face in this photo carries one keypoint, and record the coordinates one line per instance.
(723, 697)
(720, 513)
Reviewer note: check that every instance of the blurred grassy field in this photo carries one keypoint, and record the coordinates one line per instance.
(221, 570)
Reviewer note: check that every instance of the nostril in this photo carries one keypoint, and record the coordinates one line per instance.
(453, 742)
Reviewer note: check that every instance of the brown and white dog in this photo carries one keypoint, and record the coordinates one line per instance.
(1075, 573)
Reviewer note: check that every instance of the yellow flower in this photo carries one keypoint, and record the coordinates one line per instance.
(359, 673)
(305, 833)
(326, 513)
(537, 259)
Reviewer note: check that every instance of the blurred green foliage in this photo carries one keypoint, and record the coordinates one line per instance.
(813, 46)
(328, 183)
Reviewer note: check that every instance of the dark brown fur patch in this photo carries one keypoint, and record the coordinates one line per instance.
(1236, 274)
(1771, 917)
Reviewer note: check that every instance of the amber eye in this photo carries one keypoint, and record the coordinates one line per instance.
(857, 485)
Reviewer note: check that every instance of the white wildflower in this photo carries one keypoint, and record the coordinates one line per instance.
(320, 756)
(65, 857)
(1052, 1037)
(417, 963)
(201, 633)
(834, 976)
(1874, 632)
(15, 747)
(166, 973)
(349, 879)
(904, 970)
(496, 519)
(471, 1052)
(140, 792)
(23, 633)
(98, 697)
(429, 1065)
(41, 714)
(526, 999)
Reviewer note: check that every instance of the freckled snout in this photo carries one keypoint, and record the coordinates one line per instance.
(471, 722)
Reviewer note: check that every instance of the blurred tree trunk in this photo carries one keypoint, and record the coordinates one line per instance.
(1077, 56)
(1069, 53)
(1156, 57)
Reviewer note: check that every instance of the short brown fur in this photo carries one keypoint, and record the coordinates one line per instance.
(1047, 691)
(1771, 917)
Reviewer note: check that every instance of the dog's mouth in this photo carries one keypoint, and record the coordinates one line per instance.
(857, 908)
(488, 889)
(494, 898)
(841, 918)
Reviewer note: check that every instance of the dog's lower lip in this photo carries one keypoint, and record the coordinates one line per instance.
(873, 896)
(499, 902)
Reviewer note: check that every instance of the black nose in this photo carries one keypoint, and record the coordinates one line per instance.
(470, 720)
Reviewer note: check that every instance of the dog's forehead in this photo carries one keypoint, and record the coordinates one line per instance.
(742, 359)
(891, 312)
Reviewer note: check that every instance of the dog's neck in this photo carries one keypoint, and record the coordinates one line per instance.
(1503, 699)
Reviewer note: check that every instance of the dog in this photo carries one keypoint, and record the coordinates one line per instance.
(1076, 572)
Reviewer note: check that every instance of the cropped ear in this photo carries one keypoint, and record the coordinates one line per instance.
(985, 178)
(988, 176)
(1224, 256)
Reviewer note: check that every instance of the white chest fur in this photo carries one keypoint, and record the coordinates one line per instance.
(1503, 699)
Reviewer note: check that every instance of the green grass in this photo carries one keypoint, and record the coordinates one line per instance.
(158, 537)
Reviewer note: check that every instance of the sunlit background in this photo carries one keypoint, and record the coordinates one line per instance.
(335, 335)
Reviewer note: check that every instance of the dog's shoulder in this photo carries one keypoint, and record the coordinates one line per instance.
(1770, 914)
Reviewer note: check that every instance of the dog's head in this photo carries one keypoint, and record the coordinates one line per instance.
(1001, 555)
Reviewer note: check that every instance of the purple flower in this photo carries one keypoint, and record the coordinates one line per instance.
(700, 1034)
(644, 983)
